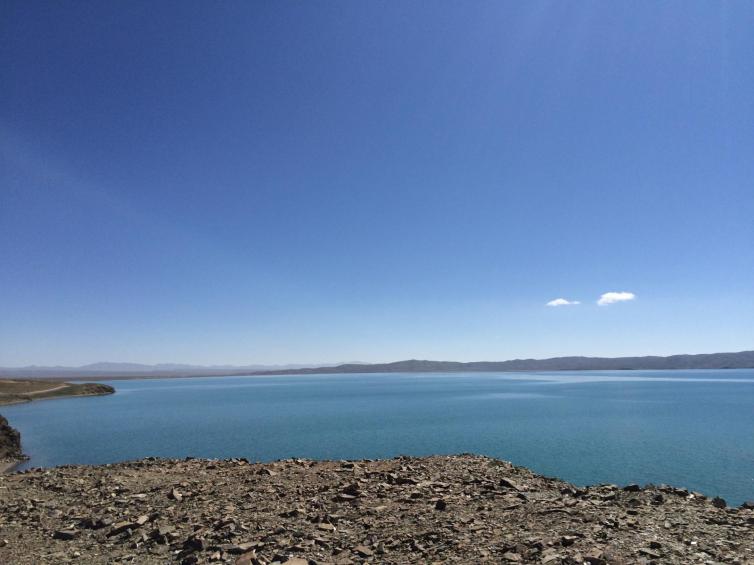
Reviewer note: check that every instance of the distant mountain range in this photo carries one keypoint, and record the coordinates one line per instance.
(138, 369)
(739, 360)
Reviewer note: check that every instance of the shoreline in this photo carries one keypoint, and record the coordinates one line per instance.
(13, 402)
(9, 466)
(462, 508)
(22, 392)
(309, 373)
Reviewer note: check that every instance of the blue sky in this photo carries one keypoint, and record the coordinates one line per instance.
(274, 182)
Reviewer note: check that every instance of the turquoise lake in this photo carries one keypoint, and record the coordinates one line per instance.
(687, 428)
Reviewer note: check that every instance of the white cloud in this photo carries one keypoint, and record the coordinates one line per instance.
(612, 297)
(562, 302)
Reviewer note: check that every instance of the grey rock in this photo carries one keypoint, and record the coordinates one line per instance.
(65, 535)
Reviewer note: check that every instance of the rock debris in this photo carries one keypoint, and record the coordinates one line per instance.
(444, 509)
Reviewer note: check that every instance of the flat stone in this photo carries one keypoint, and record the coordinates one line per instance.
(247, 558)
(65, 535)
(507, 483)
(650, 553)
(120, 527)
(363, 551)
(164, 530)
(238, 548)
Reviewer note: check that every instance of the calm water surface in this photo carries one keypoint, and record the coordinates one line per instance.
(687, 428)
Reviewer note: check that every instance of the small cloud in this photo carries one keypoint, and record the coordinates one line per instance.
(562, 302)
(613, 297)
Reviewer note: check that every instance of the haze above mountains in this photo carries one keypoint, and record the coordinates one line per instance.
(108, 367)
(737, 360)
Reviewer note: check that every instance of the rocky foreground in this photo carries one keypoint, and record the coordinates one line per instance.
(461, 509)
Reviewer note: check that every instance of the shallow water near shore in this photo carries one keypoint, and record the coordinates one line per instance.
(687, 428)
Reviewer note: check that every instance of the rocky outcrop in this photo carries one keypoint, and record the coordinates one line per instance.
(91, 389)
(460, 509)
(10, 442)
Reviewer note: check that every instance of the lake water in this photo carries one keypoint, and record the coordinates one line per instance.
(687, 428)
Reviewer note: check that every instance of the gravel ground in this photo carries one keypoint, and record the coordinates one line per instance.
(455, 509)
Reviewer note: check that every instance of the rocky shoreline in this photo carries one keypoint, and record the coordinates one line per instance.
(10, 446)
(444, 509)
